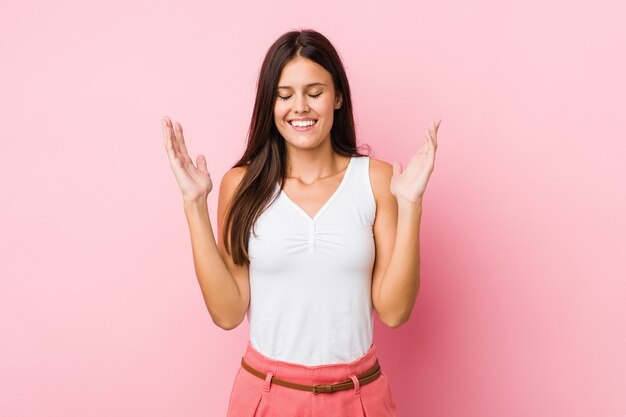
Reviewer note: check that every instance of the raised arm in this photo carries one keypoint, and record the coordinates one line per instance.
(224, 286)
(396, 275)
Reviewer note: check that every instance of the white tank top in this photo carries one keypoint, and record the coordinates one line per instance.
(310, 278)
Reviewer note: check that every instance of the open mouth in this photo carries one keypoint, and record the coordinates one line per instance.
(302, 123)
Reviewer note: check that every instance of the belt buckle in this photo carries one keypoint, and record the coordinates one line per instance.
(321, 388)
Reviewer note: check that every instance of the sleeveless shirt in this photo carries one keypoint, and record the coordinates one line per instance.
(310, 278)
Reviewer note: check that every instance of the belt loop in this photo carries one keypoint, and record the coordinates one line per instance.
(268, 381)
(357, 385)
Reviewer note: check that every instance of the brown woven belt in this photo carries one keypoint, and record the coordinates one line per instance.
(365, 378)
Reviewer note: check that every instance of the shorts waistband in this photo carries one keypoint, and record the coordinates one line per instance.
(307, 374)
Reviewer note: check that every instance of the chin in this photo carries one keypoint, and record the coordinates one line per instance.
(303, 144)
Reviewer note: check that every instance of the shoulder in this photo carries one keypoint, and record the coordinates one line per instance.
(230, 181)
(380, 168)
(380, 176)
(232, 178)
(234, 174)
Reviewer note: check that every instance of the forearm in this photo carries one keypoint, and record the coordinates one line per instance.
(400, 283)
(219, 289)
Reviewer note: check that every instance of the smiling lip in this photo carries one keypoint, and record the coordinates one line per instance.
(303, 128)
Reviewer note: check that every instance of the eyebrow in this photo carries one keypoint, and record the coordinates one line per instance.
(308, 85)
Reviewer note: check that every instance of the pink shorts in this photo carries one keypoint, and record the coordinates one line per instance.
(252, 396)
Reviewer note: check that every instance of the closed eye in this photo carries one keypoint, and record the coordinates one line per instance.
(288, 97)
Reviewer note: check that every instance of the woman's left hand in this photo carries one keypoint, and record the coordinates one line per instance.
(408, 185)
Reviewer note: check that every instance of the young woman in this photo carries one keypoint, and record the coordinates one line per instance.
(314, 236)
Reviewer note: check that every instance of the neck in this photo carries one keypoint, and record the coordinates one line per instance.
(310, 165)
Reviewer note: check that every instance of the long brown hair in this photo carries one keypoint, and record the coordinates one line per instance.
(265, 155)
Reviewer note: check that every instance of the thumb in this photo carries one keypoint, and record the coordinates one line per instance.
(201, 163)
(397, 168)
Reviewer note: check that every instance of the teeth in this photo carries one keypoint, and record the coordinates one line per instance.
(302, 124)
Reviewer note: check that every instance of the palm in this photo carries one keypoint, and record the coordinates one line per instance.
(194, 181)
(409, 184)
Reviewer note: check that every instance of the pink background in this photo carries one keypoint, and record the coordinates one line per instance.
(522, 308)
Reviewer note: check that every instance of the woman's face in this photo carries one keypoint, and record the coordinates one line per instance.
(306, 94)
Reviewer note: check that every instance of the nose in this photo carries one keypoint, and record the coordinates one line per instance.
(301, 104)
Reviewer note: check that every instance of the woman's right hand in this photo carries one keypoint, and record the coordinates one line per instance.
(194, 182)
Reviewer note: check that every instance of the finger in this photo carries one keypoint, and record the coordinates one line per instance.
(397, 168)
(172, 139)
(434, 126)
(433, 148)
(178, 130)
(433, 129)
(201, 163)
(433, 133)
(426, 145)
(431, 142)
(179, 147)
(168, 130)
(167, 137)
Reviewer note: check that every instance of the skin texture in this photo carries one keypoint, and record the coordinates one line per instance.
(313, 174)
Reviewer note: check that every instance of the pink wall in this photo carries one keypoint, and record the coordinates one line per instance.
(522, 308)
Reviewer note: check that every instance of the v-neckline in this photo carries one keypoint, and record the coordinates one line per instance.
(327, 203)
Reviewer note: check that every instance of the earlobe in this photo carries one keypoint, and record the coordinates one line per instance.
(338, 101)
